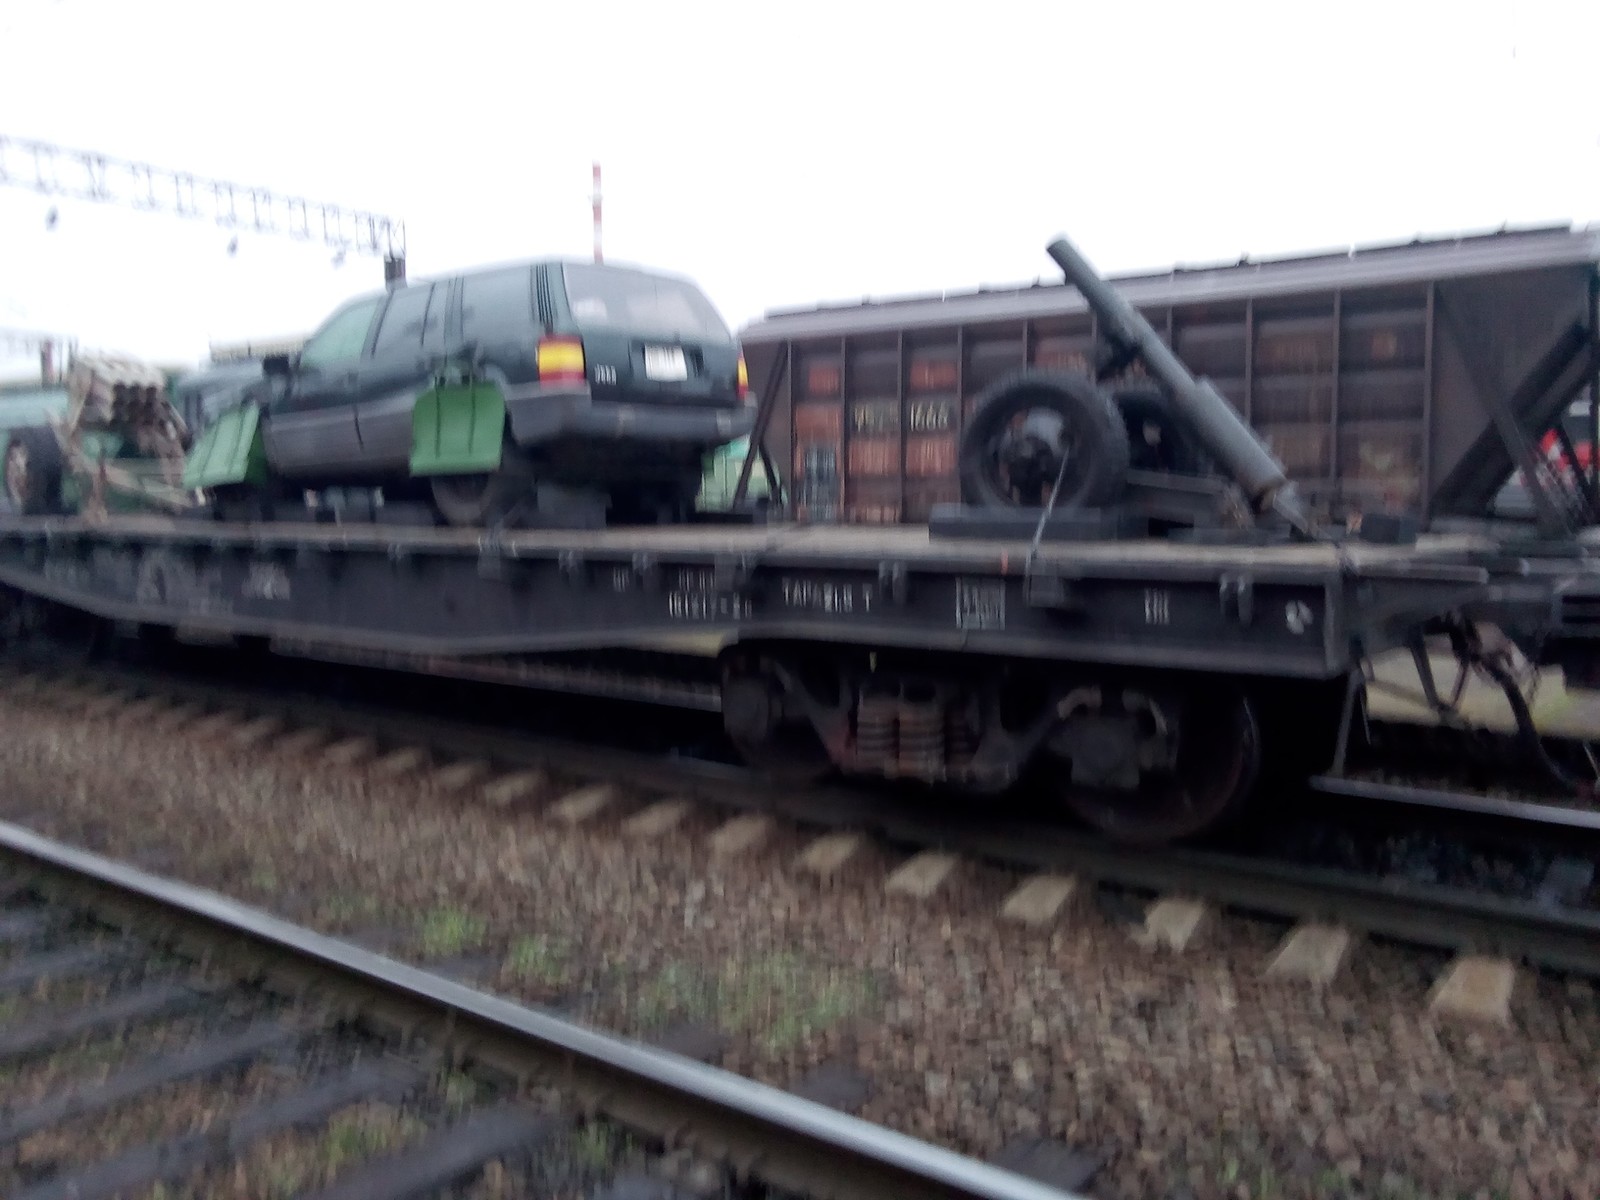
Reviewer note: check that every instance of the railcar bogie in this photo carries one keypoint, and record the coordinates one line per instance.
(1140, 755)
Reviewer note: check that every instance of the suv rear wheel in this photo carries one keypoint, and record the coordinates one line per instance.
(475, 500)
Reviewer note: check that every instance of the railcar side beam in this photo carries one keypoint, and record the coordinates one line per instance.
(1299, 612)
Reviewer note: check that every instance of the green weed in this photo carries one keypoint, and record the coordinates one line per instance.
(460, 1091)
(780, 999)
(595, 1147)
(355, 1136)
(447, 931)
(538, 959)
(348, 907)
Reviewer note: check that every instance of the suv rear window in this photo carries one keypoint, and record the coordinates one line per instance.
(634, 302)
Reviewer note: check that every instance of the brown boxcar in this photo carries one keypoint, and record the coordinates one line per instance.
(1369, 372)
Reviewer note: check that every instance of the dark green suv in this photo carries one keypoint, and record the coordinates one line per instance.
(493, 392)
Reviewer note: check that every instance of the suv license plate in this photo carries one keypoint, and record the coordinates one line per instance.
(665, 363)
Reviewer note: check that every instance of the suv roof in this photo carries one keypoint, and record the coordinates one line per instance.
(725, 331)
(530, 263)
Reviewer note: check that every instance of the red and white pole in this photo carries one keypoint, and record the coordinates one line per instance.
(597, 212)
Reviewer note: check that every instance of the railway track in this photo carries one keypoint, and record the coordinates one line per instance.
(146, 1002)
(1328, 910)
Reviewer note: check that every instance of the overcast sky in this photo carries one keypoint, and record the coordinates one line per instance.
(781, 154)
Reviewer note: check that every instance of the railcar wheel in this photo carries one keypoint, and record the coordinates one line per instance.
(772, 740)
(792, 755)
(1150, 769)
(1036, 426)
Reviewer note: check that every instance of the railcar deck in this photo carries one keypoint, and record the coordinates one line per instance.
(1288, 610)
(821, 542)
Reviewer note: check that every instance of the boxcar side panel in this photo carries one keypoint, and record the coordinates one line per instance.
(1369, 391)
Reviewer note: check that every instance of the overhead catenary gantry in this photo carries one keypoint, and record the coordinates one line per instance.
(89, 175)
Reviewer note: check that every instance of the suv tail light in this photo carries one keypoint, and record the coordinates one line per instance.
(561, 360)
(744, 382)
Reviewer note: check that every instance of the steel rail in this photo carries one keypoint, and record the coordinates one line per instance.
(1432, 915)
(1554, 815)
(763, 1132)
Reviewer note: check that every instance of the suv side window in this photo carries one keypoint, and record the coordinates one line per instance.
(497, 306)
(342, 335)
(402, 320)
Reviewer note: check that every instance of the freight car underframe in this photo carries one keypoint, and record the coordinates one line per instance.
(1150, 681)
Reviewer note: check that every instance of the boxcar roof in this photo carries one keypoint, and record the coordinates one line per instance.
(1418, 261)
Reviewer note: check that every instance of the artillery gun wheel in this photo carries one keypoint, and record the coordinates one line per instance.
(1158, 439)
(1034, 425)
(33, 470)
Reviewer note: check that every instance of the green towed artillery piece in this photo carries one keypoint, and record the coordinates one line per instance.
(119, 446)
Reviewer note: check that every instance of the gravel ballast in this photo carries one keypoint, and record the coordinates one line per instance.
(1187, 1075)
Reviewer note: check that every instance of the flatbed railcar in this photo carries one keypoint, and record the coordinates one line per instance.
(1148, 643)
(888, 651)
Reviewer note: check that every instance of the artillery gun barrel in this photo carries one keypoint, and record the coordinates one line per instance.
(1220, 429)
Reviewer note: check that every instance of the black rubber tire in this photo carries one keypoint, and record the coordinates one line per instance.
(39, 493)
(475, 501)
(1102, 471)
(469, 501)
